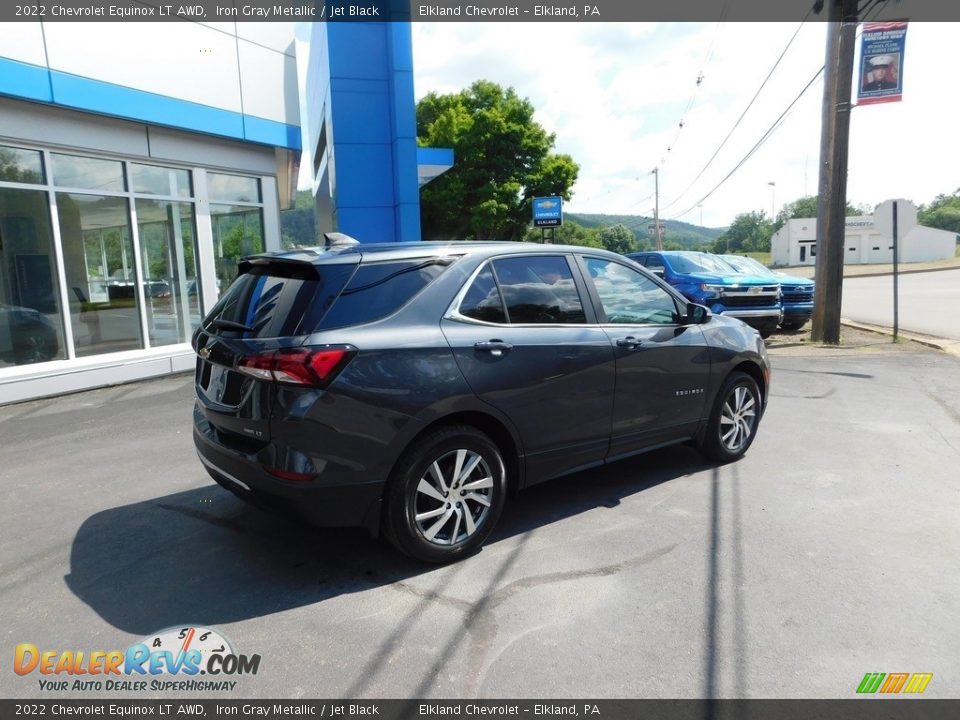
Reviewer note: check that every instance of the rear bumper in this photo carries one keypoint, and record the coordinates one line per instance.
(348, 505)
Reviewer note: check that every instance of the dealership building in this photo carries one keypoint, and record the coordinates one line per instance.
(865, 241)
(140, 161)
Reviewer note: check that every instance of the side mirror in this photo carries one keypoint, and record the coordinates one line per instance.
(658, 272)
(697, 314)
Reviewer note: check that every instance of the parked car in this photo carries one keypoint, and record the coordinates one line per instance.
(409, 387)
(707, 280)
(26, 336)
(796, 292)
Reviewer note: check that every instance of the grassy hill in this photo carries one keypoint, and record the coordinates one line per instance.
(684, 234)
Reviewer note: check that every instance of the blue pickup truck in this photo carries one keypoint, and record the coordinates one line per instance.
(797, 292)
(707, 280)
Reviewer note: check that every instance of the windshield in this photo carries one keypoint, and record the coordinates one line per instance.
(699, 263)
(746, 264)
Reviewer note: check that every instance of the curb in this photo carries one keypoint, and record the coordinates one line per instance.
(943, 344)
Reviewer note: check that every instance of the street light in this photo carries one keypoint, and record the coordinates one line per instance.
(773, 197)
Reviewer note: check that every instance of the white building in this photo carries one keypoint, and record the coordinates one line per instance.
(796, 242)
(138, 161)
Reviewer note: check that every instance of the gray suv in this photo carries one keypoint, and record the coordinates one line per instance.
(410, 388)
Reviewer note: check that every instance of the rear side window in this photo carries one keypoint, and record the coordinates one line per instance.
(278, 300)
(483, 301)
(379, 289)
(539, 290)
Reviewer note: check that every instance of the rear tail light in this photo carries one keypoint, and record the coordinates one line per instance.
(312, 367)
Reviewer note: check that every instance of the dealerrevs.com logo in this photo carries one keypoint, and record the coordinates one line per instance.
(152, 664)
(894, 683)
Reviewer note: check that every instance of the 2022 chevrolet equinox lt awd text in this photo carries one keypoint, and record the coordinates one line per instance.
(408, 387)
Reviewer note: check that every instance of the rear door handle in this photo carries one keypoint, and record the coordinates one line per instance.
(495, 347)
(629, 342)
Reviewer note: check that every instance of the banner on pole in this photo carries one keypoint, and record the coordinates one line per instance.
(881, 62)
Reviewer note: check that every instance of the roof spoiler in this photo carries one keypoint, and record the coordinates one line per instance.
(336, 239)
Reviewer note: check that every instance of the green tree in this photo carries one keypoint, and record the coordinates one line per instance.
(942, 213)
(806, 207)
(749, 232)
(570, 233)
(503, 159)
(618, 238)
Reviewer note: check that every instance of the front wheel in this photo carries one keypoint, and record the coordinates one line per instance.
(734, 419)
(445, 495)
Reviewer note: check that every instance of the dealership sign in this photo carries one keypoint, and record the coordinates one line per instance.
(881, 62)
(548, 211)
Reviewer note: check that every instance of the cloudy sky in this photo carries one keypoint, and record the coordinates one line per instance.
(615, 95)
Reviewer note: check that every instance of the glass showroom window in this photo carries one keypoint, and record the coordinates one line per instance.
(236, 215)
(31, 321)
(98, 255)
(168, 253)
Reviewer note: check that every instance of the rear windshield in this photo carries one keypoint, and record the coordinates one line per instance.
(281, 300)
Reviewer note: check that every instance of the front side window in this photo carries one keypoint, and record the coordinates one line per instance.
(629, 297)
(539, 289)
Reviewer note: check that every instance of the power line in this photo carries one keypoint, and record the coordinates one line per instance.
(700, 78)
(742, 115)
(776, 124)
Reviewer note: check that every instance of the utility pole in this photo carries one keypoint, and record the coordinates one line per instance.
(834, 142)
(656, 207)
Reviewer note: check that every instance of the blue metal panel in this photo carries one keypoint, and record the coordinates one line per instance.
(361, 117)
(408, 189)
(368, 224)
(435, 156)
(102, 97)
(358, 50)
(364, 176)
(33, 82)
(271, 132)
(372, 162)
(24, 80)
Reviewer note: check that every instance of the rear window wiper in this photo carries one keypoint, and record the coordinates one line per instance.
(221, 324)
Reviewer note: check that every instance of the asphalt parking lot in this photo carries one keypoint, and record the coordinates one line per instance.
(828, 552)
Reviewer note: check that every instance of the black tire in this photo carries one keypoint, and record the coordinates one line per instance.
(34, 343)
(734, 419)
(765, 333)
(426, 515)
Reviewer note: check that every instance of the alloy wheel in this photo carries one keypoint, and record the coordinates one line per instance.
(453, 497)
(738, 418)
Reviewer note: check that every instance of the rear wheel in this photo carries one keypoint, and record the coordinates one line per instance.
(734, 419)
(446, 495)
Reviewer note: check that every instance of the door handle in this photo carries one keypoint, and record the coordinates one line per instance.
(629, 342)
(495, 347)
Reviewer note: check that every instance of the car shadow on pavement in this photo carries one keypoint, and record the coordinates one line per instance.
(203, 556)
